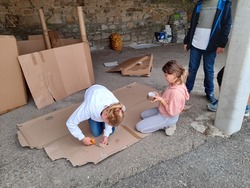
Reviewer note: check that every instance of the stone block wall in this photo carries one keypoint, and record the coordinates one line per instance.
(135, 20)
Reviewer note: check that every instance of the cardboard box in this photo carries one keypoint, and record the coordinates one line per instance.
(58, 72)
(13, 88)
(50, 131)
(137, 66)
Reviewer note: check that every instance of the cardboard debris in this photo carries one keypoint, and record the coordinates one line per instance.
(110, 64)
(56, 73)
(13, 88)
(50, 131)
(142, 46)
(137, 66)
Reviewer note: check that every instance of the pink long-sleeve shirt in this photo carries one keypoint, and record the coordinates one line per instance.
(175, 97)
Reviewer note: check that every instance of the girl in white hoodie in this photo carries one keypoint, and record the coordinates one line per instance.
(103, 112)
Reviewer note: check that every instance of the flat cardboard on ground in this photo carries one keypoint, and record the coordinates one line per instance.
(56, 73)
(50, 131)
(13, 88)
(137, 66)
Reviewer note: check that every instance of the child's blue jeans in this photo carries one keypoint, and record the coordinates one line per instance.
(97, 128)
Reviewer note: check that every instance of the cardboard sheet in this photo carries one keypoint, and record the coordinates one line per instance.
(36, 43)
(12, 84)
(56, 73)
(50, 131)
(30, 46)
(55, 40)
(137, 66)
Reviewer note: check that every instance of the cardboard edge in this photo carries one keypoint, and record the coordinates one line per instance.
(22, 139)
(125, 65)
(146, 72)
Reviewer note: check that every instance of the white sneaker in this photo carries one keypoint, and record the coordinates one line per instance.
(170, 130)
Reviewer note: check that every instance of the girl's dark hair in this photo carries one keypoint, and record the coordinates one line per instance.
(172, 67)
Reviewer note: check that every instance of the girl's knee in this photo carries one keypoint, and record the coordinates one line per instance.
(139, 127)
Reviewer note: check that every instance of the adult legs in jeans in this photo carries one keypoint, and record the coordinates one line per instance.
(208, 65)
(96, 127)
(155, 122)
(194, 63)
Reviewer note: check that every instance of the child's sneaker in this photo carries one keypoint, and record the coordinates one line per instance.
(170, 130)
(246, 111)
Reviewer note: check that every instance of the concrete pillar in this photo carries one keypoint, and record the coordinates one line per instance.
(236, 81)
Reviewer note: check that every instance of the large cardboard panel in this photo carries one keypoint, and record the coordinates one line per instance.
(56, 73)
(137, 66)
(30, 46)
(50, 132)
(58, 42)
(13, 88)
(65, 42)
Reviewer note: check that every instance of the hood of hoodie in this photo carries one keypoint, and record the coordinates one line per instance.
(182, 88)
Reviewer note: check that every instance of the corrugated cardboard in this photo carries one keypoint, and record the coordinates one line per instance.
(137, 66)
(65, 42)
(50, 131)
(56, 73)
(36, 43)
(13, 88)
(56, 41)
(30, 46)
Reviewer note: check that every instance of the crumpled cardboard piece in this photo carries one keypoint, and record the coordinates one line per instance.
(137, 66)
(50, 131)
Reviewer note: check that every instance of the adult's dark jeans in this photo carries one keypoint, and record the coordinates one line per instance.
(208, 68)
(97, 128)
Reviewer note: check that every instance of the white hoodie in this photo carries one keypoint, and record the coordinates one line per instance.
(96, 99)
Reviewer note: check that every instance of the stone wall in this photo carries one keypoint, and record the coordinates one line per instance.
(135, 20)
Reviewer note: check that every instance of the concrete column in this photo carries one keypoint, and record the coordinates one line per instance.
(236, 81)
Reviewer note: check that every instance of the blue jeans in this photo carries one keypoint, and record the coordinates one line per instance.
(208, 67)
(97, 128)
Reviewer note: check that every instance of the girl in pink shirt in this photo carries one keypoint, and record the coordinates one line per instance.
(171, 102)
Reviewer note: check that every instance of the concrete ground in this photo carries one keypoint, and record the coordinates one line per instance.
(189, 158)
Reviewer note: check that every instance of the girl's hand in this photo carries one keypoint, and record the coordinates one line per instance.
(86, 141)
(105, 140)
(155, 96)
(158, 98)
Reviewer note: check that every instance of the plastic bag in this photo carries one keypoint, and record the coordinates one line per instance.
(116, 41)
